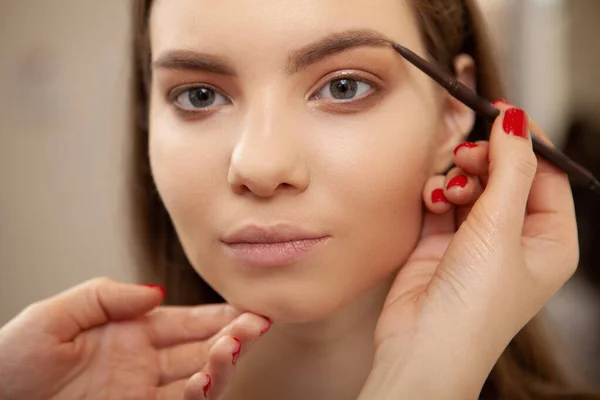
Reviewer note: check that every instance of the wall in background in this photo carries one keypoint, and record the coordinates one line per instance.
(584, 57)
(63, 146)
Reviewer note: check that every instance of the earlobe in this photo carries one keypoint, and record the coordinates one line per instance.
(458, 119)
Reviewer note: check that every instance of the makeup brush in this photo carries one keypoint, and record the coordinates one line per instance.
(577, 174)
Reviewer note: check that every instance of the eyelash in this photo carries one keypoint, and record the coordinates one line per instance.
(174, 94)
(356, 76)
(352, 75)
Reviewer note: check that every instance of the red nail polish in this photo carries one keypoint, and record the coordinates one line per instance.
(266, 329)
(500, 101)
(515, 122)
(237, 351)
(160, 288)
(207, 386)
(458, 180)
(469, 145)
(438, 196)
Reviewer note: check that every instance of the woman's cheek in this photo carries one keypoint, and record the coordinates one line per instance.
(186, 178)
(374, 184)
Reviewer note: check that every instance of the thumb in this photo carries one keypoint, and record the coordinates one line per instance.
(513, 167)
(415, 275)
(93, 303)
(491, 233)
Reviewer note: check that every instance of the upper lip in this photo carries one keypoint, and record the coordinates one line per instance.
(270, 234)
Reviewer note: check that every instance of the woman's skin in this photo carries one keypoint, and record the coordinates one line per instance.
(269, 153)
(272, 145)
(397, 303)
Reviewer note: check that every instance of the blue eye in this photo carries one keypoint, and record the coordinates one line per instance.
(200, 98)
(344, 89)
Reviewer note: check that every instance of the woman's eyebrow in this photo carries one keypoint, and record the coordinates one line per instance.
(333, 44)
(298, 60)
(188, 60)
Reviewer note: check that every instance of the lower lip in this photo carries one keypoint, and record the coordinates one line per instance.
(274, 254)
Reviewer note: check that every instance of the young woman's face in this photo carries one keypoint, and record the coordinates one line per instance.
(289, 120)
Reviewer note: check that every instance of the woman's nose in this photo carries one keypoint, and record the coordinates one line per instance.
(267, 160)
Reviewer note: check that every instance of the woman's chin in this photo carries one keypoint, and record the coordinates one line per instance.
(288, 309)
(304, 295)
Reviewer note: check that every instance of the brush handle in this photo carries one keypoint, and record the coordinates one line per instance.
(577, 173)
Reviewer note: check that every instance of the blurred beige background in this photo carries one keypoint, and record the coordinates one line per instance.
(64, 133)
(63, 146)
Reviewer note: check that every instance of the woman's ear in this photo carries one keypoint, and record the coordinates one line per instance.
(457, 118)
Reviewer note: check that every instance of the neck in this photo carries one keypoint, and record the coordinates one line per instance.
(327, 359)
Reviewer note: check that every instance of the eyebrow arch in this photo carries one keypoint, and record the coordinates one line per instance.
(187, 60)
(333, 44)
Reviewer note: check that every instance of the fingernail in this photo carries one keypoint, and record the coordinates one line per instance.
(500, 101)
(437, 196)
(469, 145)
(458, 180)
(207, 386)
(236, 353)
(266, 329)
(160, 288)
(515, 122)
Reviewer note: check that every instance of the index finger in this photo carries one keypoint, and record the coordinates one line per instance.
(175, 325)
(91, 304)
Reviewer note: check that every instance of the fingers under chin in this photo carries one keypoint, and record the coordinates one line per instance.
(246, 327)
(176, 362)
(198, 387)
(221, 365)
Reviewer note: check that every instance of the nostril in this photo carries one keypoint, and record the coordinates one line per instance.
(243, 189)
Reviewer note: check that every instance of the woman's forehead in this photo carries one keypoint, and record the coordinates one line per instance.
(273, 26)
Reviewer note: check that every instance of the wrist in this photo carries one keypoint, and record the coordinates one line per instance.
(424, 375)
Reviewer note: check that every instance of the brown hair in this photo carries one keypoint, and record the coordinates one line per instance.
(526, 370)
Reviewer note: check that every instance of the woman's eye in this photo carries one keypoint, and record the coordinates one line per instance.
(200, 98)
(344, 89)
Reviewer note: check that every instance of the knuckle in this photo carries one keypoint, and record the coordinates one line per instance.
(101, 282)
(220, 350)
(246, 319)
(563, 260)
(571, 260)
(227, 311)
(214, 349)
(244, 322)
(166, 360)
(35, 309)
(98, 294)
(566, 254)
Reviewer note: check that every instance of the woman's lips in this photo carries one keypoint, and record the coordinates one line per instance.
(264, 246)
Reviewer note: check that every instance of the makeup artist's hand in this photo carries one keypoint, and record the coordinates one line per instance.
(225, 348)
(499, 239)
(107, 340)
